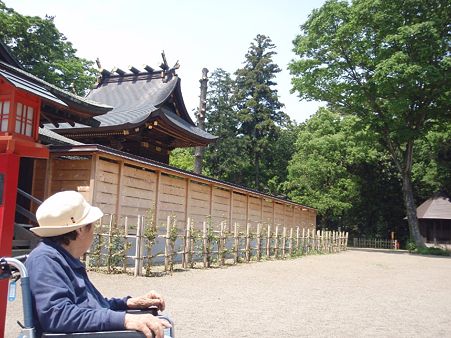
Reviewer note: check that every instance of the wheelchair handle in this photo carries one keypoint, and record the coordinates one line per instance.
(26, 292)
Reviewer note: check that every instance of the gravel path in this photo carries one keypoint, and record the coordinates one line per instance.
(357, 293)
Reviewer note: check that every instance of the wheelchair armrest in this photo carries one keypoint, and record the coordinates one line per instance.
(100, 334)
(110, 334)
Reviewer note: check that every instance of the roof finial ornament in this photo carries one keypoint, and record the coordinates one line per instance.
(98, 64)
(164, 65)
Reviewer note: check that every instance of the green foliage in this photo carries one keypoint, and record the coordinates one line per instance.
(432, 251)
(318, 174)
(339, 169)
(224, 158)
(258, 110)
(411, 246)
(431, 169)
(385, 62)
(45, 52)
(182, 158)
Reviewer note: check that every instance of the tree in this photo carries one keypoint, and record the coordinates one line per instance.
(318, 173)
(258, 106)
(224, 158)
(45, 52)
(339, 169)
(182, 158)
(431, 169)
(386, 62)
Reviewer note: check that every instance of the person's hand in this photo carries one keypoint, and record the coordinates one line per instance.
(143, 302)
(147, 324)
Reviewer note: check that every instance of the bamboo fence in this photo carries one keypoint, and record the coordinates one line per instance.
(142, 247)
(375, 243)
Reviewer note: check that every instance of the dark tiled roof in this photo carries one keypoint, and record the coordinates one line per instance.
(50, 137)
(178, 122)
(7, 56)
(133, 98)
(137, 98)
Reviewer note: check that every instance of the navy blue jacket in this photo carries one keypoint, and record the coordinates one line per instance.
(64, 299)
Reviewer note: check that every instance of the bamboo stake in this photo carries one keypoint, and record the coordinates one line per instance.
(268, 242)
(191, 246)
(204, 244)
(167, 250)
(259, 242)
(290, 243)
(237, 242)
(221, 245)
(137, 248)
(247, 250)
(319, 241)
(298, 251)
(284, 240)
(124, 263)
(110, 247)
(303, 241)
(276, 245)
(186, 245)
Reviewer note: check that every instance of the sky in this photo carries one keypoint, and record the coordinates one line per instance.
(198, 33)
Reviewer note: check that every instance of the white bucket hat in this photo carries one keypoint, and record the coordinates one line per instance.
(64, 212)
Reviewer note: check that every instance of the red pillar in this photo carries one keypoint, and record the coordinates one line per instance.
(9, 169)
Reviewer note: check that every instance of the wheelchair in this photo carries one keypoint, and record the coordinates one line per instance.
(13, 268)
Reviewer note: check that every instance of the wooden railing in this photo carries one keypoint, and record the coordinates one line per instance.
(146, 249)
(375, 243)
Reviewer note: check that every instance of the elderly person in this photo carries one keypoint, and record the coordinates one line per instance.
(64, 299)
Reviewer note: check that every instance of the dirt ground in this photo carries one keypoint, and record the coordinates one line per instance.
(358, 293)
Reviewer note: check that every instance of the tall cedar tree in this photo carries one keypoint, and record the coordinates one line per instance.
(386, 62)
(45, 52)
(258, 108)
(223, 159)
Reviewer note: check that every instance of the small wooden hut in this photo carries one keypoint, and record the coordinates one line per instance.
(434, 216)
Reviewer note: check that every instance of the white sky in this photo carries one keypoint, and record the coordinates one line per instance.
(198, 33)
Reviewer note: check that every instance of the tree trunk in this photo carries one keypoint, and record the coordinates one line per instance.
(199, 152)
(407, 192)
(257, 171)
(411, 210)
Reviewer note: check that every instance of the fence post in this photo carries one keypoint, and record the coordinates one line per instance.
(237, 242)
(259, 242)
(303, 241)
(248, 251)
(284, 241)
(276, 243)
(191, 246)
(124, 263)
(166, 244)
(110, 246)
(290, 243)
(185, 257)
(307, 240)
(205, 244)
(297, 241)
(268, 242)
(137, 257)
(221, 245)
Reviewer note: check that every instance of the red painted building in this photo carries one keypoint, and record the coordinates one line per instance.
(26, 103)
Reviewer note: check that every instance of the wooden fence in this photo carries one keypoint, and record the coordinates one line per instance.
(141, 246)
(375, 243)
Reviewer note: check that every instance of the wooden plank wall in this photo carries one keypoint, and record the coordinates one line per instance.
(123, 188)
